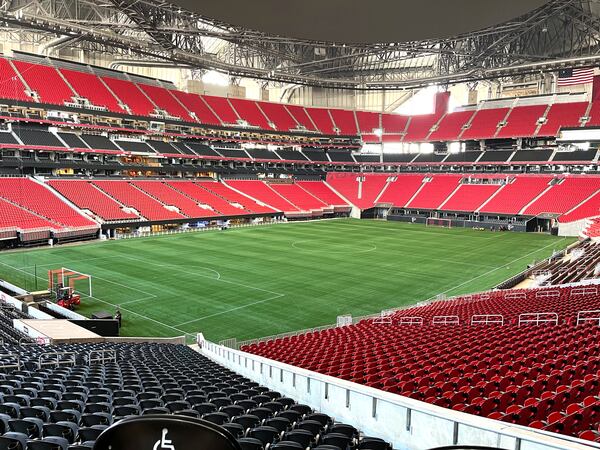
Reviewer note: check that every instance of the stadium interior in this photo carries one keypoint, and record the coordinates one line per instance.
(241, 226)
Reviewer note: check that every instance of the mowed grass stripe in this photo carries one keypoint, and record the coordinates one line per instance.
(253, 282)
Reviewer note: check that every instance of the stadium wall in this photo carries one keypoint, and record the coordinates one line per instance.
(575, 228)
(406, 423)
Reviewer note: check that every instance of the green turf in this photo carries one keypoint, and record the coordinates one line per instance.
(253, 282)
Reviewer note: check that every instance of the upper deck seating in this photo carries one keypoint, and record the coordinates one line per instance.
(278, 115)
(11, 85)
(562, 115)
(344, 121)
(451, 126)
(195, 104)
(522, 121)
(419, 127)
(91, 87)
(164, 100)
(249, 111)
(484, 123)
(222, 108)
(322, 120)
(130, 95)
(299, 113)
(46, 82)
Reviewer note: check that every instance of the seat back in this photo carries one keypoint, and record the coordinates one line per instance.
(165, 433)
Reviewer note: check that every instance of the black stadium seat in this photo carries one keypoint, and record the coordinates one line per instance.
(66, 407)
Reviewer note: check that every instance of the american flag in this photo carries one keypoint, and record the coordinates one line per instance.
(570, 77)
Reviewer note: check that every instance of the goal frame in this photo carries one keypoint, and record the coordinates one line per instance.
(68, 277)
(438, 222)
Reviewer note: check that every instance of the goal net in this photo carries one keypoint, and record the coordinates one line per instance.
(435, 222)
(80, 282)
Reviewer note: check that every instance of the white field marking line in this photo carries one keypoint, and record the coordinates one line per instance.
(148, 294)
(231, 309)
(295, 246)
(275, 295)
(103, 301)
(141, 315)
(73, 261)
(497, 268)
(205, 276)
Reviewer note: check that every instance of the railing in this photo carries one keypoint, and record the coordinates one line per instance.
(445, 320)
(584, 290)
(483, 296)
(582, 316)
(538, 318)
(487, 319)
(548, 293)
(56, 359)
(101, 357)
(383, 320)
(515, 296)
(412, 320)
(11, 356)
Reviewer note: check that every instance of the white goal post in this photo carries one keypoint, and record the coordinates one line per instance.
(71, 278)
(437, 222)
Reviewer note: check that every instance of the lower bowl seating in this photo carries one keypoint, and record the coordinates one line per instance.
(66, 405)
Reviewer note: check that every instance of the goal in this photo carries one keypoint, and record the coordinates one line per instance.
(435, 222)
(80, 282)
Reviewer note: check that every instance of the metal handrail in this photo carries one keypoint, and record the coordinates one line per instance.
(11, 366)
(72, 359)
(410, 320)
(538, 318)
(445, 320)
(584, 290)
(102, 357)
(581, 319)
(548, 293)
(487, 319)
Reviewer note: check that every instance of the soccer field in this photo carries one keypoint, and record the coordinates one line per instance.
(253, 282)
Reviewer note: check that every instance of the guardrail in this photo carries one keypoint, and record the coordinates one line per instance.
(538, 318)
(487, 319)
(588, 316)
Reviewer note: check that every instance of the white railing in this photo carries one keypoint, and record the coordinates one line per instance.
(404, 422)
(412, 320)
(445, 320)
(487, 319)
(584, 290)
(515, 296)
(548, 293)
(383, 320)
(588, 316)
(538, 318)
